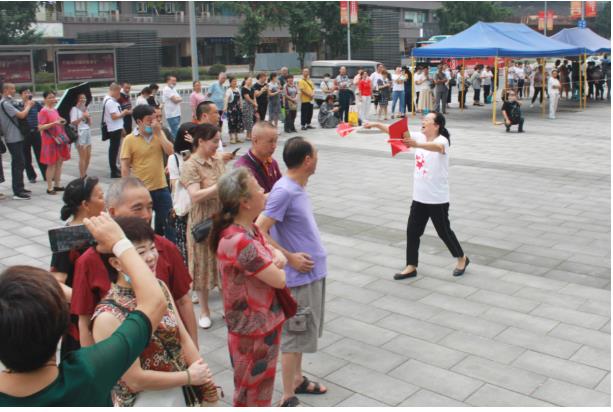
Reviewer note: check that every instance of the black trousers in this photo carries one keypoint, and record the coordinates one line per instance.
(477, 95)
(262, 109)
(290, 118)
(486, 92)
(344, 100)
(407, 101)
(519, 122)
(115, 142)
(462, 97)
(33, 143)
(449, 95)
(306, 114)
(17, 166)
(520, 87)
(420, 214)
(537, 91)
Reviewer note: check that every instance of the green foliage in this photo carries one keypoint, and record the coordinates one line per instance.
(456, 16)
(16, 19)
(602, 25)
(304, 29)
(215, 69)
(44, 77)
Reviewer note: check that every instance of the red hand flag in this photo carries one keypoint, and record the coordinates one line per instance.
(343, 129)
(396, 132)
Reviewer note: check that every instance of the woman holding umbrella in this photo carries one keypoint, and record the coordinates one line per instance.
(80, 118)
(55, 144)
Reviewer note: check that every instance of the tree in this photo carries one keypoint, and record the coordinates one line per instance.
(304, 30)
(333, 35)
(602, 25)
(16, 20)
(456, 16)
(258, 16)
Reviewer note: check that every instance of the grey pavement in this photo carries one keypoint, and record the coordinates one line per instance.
(529, 323)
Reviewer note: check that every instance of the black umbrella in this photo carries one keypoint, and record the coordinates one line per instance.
(69, 99)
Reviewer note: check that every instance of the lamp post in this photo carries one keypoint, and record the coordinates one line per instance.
(193, 40)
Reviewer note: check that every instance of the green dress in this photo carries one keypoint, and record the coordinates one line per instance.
(86, 376)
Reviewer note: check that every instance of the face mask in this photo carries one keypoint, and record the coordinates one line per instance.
(148, 129)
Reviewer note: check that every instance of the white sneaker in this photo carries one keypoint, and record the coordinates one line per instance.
(195, 299)
(204, 322)
(531, 104)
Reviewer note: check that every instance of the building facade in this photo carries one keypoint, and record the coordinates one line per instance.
(396, 26)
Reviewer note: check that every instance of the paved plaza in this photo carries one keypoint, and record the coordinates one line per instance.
(528, 324)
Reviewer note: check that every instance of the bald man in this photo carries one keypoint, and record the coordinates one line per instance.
(259, 159)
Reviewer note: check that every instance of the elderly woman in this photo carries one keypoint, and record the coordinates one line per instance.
(157, 377)
(251, 271)
(327, 114)
(199, 175)
(31, 296)
(83, 199)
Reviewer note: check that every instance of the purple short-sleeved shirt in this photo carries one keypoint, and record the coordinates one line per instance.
(295, 229)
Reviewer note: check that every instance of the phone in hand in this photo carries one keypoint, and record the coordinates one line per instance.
(235, 151)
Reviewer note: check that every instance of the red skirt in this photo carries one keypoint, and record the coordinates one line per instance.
(51, 152)
(254, 360)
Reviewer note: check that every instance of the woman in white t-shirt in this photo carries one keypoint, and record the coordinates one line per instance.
(80, 118)
(430, 191)
(553, 87)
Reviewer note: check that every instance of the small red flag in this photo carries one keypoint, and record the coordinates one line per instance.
(343, 129)
(396, 131)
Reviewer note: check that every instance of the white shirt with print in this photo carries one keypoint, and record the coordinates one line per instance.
(431, 177)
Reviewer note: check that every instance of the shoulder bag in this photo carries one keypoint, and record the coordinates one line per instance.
(103, 129)
(181, 201)
(21, 124)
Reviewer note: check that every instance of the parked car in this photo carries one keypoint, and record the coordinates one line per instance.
(321, 67)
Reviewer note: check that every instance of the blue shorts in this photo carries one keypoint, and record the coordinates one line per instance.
(85, 137)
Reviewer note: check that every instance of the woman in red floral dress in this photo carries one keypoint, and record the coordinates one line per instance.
(251, 270)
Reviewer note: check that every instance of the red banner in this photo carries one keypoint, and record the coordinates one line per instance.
(93, 66)
(354, 12)
(575, 9)
(16, 68)
(541, 23)
(590, 9)
(344, 13)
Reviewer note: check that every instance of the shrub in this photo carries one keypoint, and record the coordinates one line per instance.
(44, 77)
(215, 69)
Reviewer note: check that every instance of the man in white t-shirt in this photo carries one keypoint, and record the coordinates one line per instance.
(113, 118)
(172, 104)
(398, 79)
(521, 79)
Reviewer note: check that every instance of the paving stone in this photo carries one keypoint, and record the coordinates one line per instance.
(534, 281)
(573, 317)
(364, 332)
(378, 386)
(360, 401)
(605, 385)
(347, 264)
(454, 304)
(538, 342)
(483, 347)
(578, 278)
(566, 394)
(33, 250)
(597, 358)
(607, 328)
(406, 307)
(446, 287)
(321, 363)
(522, 320)
(596, 307)
(334, 396)
(399, 289)
(424, 351)
(369, 356)
(436, 379)
(355, 310)
(352, 278)
(424, 397)
(562, 369)
(488, 283)
(355, 293)
(552, 298)
(587, 292)
(493, 396)
(327, 338)
(515, 379)
(14, 241)
(468, 324)
(503, 301)
(578, 334)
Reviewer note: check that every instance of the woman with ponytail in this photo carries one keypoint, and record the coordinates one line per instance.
(83, 199)
(430, 191)
(251, 270)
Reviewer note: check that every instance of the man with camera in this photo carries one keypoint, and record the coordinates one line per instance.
(10, 117)
(33, 140)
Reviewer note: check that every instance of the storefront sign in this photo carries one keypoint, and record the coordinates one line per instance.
(82, 66)
(16, 68)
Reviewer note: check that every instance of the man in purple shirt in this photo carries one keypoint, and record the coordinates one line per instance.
(289, 219)
(259, 159)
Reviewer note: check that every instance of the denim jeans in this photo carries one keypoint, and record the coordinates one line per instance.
(162, 203)
(17, 166)
(173, 125)
(398, 96)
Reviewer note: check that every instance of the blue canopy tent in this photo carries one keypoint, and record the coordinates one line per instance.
(584, 38)
(498, 40)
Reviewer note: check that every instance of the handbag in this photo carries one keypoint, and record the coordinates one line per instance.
(2, 147)
(104, 131)
(287, 302)
(200, 231)
(71, 133)
(21, 124)
(181, 200)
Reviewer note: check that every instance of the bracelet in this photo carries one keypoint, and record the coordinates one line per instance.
(121, 246)
(189, 378)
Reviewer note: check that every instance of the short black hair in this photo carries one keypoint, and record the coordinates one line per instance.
(142, 110)
(295, 151)
(136, 230)
(23, 89)
(168, 76)
(203, 107)
(261, 74)
(48, 92)
(34, 314)
(154, 86)
(180, 144)
(204, 132)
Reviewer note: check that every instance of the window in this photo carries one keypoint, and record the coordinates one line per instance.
(411, 16)
(141, 7)
(106, 7)
(80, 6)
(170, 7)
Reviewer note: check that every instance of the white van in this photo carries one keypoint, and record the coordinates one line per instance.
(321, 67)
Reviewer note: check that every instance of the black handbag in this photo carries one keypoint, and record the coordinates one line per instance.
(2, 147)
(71, 132)
(104, 131)
(200, 231)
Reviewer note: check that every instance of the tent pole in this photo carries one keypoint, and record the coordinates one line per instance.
(506, 74)
(494, 95)
(413, 85)
(462, 76)
(580, 85)
(587, 88)
(543, 89)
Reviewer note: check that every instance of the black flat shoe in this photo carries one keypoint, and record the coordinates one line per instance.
(460, 272)
(401, 276)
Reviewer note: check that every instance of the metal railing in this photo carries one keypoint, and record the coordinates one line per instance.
(114, 16)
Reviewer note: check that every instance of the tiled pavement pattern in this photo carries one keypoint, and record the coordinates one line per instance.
(529, 323)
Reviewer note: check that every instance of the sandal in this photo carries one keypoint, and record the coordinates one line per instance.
(304, 387)
(291, 402)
